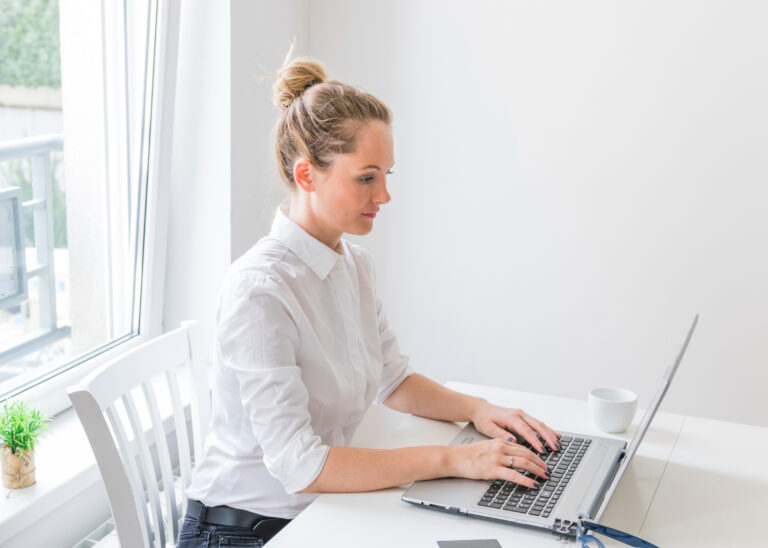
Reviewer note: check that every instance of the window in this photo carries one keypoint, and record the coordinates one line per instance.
(77, 84)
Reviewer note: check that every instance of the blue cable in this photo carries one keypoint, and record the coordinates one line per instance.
(582, 526)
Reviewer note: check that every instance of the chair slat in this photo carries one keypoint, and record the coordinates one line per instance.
(182, 440)
(129, 461)
(164, 460)
(148, 470)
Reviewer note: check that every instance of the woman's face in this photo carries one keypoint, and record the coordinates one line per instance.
(348, 195)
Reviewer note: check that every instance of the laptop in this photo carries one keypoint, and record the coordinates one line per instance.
(584, 476)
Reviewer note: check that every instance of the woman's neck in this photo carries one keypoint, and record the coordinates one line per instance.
(304, 217)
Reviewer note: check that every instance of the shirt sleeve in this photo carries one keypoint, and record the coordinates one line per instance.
(397, 366)
(258, 340)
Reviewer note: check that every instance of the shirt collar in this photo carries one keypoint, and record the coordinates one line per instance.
(317, 256)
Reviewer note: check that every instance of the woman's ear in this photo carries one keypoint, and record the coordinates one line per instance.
(302, 174)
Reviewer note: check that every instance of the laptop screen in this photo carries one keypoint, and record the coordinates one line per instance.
(647, 418)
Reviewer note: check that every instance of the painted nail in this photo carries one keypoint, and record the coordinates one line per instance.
(536, 485)
(512, 439)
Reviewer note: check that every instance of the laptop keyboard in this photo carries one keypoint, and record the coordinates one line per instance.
(517, 498)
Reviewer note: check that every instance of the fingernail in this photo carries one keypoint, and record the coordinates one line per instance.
(536, 485)
(512, 439)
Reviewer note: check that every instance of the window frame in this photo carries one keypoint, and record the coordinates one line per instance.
(49, 394)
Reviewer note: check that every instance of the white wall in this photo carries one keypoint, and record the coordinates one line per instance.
(261, 34)
(573, 181)
(198, 230)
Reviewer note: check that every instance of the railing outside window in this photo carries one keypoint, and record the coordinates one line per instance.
(39, 151)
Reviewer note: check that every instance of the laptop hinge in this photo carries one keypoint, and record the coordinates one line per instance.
(564, 527)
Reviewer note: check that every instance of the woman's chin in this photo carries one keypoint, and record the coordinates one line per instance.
(361, 229)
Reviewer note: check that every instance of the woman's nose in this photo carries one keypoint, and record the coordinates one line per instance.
(382, 195)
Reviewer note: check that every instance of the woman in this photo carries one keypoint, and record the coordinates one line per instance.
(303, 346)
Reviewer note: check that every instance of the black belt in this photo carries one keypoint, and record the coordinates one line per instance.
(230, 517)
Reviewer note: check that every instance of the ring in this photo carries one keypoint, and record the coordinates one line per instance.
(512, 461)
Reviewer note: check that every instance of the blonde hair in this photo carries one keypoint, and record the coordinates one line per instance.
(319, 118)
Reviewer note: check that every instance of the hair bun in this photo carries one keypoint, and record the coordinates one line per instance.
(295, 78)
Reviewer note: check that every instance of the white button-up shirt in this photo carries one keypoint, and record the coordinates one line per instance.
(302, 350)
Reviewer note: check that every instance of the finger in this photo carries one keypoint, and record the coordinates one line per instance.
(544, 431)
(523, 463)
(522, 428)
(522, 454)
(508, 474)
(498, 432)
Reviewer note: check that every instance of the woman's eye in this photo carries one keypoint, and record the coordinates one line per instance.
(372, 177)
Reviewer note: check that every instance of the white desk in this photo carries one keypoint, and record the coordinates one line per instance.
(673, 493)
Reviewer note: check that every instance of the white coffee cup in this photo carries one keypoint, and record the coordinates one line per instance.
(612, 408)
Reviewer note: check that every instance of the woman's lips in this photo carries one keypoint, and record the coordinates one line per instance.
(370, 215)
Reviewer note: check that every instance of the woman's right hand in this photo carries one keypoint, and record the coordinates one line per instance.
(493, 459)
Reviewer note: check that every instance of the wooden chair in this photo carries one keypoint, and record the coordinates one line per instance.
(121, 406)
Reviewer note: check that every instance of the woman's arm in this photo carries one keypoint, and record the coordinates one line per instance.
(419, 395)
(352, 469)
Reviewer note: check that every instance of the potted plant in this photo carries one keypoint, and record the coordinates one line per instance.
(20, 429)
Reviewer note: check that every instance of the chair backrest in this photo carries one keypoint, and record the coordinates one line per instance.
(120, 407)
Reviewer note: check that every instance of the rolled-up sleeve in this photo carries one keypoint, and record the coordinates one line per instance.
(258, 340)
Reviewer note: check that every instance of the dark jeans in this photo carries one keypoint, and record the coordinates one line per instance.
(197, 533)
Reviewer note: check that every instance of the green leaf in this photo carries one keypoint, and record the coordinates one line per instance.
(21, 426)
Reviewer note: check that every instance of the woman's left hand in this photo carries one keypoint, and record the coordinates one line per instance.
(496, 422)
